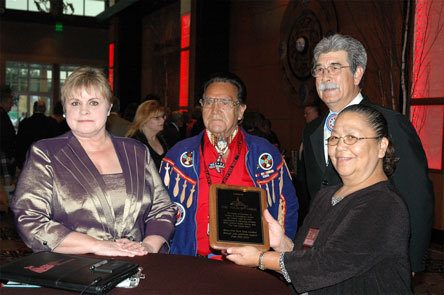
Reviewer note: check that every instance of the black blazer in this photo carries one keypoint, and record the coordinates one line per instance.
(410, 177)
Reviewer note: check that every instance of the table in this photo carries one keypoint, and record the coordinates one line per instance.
(177, 274)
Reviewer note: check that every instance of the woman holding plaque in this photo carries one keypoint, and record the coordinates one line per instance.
(355, 237)
(88, 191)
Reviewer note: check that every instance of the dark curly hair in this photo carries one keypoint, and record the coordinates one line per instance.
(379, 124)
(227, 77)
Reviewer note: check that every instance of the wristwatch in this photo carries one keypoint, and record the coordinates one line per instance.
(261, 265)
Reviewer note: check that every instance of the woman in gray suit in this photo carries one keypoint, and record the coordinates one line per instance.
(87, 191)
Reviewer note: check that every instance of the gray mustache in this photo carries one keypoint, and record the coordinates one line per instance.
(328, 86)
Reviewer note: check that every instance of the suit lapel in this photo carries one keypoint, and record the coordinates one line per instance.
(317, 142)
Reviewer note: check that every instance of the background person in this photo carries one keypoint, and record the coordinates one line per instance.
(7, 137)
(130, 111)
(355, 237)
(36, 127)
(173, 128)
(223, 153)
(115, 123)
(58, 115)
(338, 66)
(148, 123)
(256, 123)
(88, 191)
(311, 112)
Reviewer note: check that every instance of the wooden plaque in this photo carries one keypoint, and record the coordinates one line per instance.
(236, 217)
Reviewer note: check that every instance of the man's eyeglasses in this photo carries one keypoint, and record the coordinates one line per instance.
(333, 69)
(347, 139)
(223, 102)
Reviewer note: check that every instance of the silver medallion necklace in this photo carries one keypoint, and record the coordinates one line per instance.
(221, 146)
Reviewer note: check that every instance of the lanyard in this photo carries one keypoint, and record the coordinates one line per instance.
(230, 169)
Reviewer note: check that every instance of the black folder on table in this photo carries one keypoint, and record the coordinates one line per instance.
(89, 275)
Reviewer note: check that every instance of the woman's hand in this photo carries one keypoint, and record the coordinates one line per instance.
(153, 243)
(120, 247)
(79, 243)
(275, 230)
(247, 255)
(278, 240)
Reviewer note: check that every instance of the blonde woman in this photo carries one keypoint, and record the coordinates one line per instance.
(87, 191)
(148, 123)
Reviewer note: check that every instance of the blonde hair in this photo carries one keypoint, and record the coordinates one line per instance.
(88, 79)
(145, 111)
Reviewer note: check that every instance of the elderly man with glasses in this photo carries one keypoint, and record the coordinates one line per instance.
(223, 154)
(338, 66)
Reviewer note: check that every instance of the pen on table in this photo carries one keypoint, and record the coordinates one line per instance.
(12, 284)
(98, 264)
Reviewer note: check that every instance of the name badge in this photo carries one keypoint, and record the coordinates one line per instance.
(311, 237)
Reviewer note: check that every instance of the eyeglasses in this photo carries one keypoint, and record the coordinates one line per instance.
(223, 102)
(347, 139)
(333, 69)
(159, 117)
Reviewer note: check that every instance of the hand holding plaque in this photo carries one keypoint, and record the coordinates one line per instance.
(236, 217)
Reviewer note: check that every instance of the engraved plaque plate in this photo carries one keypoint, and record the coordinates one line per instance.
(236, 217)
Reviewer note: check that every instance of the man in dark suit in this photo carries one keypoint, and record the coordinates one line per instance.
(172, 131)
(115, 124)
(339, 65)
(36, 127)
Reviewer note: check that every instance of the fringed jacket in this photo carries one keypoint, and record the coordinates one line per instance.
(267, 169)
(60, 191)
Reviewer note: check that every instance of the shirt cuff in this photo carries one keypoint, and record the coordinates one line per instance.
(283, 269)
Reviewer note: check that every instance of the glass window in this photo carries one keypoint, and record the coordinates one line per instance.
(22, 108)
(22, 81)
(17, 4)
(78, 6)
(428, 48)
(428, 121)
(65, 71)
(94, 7)
(17, 76)
(427, 111)
(34, 6)
(40, 78)
(30, 82)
